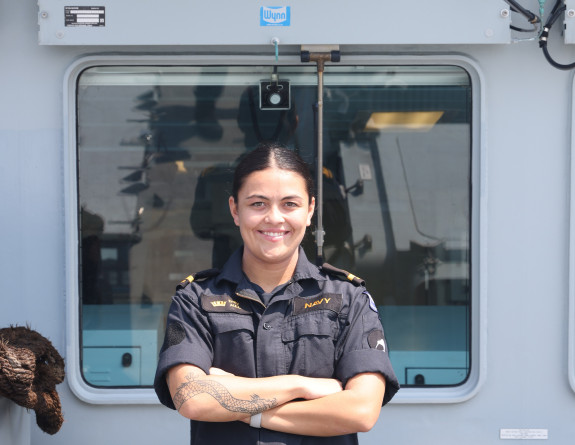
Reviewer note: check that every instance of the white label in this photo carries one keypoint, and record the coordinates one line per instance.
(365, 172)
(85, 16)
(524, 433)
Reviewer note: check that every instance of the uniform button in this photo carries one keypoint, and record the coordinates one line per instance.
(267, 326)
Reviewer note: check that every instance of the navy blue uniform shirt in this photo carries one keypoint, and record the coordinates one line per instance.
(317, 325)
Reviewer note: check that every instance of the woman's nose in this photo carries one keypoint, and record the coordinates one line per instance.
(275, 215)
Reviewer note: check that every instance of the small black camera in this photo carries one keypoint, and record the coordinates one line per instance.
(275, 95)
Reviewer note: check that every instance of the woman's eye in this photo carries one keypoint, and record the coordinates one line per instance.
(257, 204)
(291, 204)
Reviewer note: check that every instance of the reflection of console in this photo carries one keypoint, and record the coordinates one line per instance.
(121, 344)
(428, 344)
(435, 376)
(409, 197)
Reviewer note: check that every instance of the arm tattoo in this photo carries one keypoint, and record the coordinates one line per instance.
(194, 386)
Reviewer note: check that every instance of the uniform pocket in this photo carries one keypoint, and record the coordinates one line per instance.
(309, 344)
(233, 343)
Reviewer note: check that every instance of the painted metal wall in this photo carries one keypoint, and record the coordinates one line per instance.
(182, 22)
(525, 191)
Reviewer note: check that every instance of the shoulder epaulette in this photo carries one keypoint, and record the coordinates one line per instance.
(328, 268)
(202, 275)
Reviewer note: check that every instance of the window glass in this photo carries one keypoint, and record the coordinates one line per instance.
(156, 150)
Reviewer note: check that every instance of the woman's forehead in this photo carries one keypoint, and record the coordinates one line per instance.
(274, 179)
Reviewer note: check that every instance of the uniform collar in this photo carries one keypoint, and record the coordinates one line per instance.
(232, 270)
(306, 270)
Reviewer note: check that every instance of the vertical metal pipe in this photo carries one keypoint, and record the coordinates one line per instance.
(320, 54)
(319, 205)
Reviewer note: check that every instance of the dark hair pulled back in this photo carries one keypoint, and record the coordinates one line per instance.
(268, 155)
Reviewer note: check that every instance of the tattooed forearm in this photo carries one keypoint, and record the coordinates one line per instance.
(194, 386)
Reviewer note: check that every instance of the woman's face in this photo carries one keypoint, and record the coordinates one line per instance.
(272, 212)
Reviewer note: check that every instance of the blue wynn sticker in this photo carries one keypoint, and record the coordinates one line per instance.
(275, 16)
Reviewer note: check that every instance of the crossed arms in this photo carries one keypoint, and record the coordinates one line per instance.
(288, 403)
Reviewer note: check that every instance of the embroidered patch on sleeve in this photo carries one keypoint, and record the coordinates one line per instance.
(175, 334)
(332, 302)
(372, 304)
(376, 340)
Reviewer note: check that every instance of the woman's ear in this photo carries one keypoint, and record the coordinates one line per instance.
(234, 210)
(310, 211)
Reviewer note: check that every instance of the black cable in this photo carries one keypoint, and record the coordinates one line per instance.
(558, 9)
(515, 28)
(555, 6)
(516, 7)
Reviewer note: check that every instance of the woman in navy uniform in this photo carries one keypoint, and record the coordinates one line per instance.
(272, 349)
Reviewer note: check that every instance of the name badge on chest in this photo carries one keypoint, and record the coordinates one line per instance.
(332, 302)
(223, 303)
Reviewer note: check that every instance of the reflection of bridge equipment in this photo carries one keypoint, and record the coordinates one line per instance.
(364, 244)
(356, 188)
(121, 344)
(320, 55)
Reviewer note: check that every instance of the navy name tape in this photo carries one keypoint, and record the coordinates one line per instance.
(332, 302)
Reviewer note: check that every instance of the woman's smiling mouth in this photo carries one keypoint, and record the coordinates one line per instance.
(274, 234)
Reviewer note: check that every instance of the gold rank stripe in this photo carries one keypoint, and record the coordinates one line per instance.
(351, 276)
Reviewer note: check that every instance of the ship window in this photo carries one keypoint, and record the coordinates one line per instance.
(571, 335)
(155, 150)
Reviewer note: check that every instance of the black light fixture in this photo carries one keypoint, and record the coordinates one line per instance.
(275, 94)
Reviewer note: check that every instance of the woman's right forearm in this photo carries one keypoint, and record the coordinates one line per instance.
(223, 398)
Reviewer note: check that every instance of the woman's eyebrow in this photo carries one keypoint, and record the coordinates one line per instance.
(257, 197)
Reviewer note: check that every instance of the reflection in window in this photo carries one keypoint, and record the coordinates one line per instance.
(156, 149)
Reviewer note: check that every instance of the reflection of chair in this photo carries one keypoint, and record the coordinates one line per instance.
(264, 125)
(207, 124)
(93, 284)
(210, 216)
(338, 249)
